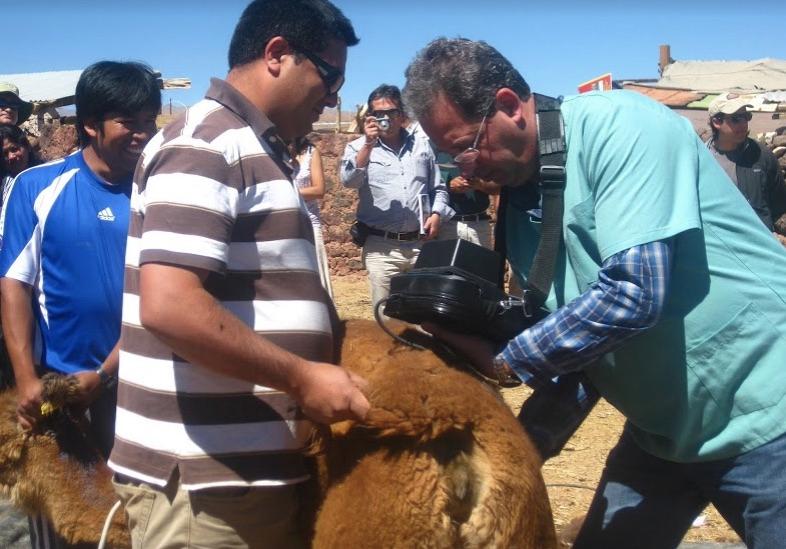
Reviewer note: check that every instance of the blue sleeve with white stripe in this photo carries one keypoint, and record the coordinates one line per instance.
(21, 241)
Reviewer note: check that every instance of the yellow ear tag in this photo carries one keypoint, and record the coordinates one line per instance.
(47, 408)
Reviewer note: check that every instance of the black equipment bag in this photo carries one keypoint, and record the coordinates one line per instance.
(453, 284)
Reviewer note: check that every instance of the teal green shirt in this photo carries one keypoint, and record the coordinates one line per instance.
(709, 380)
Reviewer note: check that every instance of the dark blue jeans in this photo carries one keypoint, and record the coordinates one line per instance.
(644, 501)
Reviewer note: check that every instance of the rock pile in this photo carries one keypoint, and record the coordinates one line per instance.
(57, 140)
(776, 142)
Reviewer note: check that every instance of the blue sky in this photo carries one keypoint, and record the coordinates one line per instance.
(555, 45)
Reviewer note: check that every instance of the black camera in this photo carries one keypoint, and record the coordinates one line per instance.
(383, 123)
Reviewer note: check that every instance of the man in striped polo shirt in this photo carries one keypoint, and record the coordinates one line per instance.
(227, 330)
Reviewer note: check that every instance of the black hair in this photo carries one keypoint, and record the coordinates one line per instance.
(114, 86)
(14, 134)
(299, 145)
(386, 91)
(716, 118)
(469, 73)
(309, 24)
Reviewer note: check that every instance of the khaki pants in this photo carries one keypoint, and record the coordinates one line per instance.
(383, 258)
(236, 517)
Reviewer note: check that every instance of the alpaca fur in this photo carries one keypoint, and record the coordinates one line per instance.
(57, 470)
(439, 462)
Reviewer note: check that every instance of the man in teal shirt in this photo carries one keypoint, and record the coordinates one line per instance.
(669, 294)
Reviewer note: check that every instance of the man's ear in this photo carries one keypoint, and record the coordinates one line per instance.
(276, 48)
(508, 102)
(92, 127)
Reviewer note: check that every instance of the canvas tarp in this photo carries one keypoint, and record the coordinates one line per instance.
(719, 76)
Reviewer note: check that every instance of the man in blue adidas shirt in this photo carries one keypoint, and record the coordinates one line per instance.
(63, 252)
(64, 245)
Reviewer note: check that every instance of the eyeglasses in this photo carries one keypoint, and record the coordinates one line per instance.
(332, 77)
(466, 159)
(735, 118)
(390, 113)
(8, 105)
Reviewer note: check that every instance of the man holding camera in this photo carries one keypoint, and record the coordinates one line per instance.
(402, 200)
(752, 168)
(668, 294)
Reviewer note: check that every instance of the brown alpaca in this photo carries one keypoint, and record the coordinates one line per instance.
(440, 462)
(57, 471)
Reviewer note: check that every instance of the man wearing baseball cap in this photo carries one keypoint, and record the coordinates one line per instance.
(750, 166)
(13, 110)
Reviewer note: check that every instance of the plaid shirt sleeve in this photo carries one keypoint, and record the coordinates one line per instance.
(627, 299)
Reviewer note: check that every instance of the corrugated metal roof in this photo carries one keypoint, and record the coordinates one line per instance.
(54, 85)
(670, 97)
(44, 86)
(760, 102)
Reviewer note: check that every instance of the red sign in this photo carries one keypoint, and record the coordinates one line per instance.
(601, 83)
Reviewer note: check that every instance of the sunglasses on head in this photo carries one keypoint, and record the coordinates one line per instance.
(390, 113)
(332, 77)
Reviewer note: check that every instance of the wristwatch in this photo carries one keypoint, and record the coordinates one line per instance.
(504, 373)
(108, 381)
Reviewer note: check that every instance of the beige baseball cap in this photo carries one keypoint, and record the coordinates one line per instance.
(727, 103)
(11, 93)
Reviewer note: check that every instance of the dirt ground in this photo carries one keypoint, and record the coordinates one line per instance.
(572, 476)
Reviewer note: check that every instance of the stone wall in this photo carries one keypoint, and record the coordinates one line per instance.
(338, 207)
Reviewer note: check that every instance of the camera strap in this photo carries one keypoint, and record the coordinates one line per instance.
(551, 186)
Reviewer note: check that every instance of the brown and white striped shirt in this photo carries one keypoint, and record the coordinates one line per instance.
(213, 191)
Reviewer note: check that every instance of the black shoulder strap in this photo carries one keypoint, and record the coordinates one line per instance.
(552, 177)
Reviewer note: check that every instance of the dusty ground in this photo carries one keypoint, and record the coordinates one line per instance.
(571, 476)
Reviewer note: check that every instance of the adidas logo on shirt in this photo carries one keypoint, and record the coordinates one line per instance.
(106, 215)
